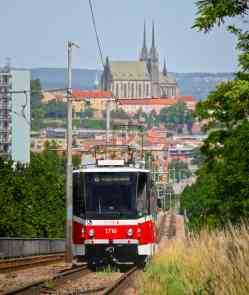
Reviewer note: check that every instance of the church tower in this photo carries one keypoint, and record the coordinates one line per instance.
(154, 66)
(165, 71)
(144, 51)
(107, 78)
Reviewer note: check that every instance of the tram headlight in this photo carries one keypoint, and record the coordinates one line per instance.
(83, 232)
(130, 232)
(91, 233)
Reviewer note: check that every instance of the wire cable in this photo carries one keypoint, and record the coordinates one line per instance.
(96, 33)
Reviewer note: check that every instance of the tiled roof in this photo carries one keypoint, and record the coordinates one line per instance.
(156, 101)
(185, 98)
(91, 94)
(129, 70)
(148, 101)
(77, 94)
(167, 79)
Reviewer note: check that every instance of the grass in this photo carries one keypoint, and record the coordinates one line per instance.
(107, 270)
(207, 264)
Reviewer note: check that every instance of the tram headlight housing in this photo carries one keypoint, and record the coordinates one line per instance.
(91, 233)
(130, 232)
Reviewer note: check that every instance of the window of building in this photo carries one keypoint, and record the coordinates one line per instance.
(147, 90)
(132, 90)
(139, 90)
(125, 90)
(117, 90)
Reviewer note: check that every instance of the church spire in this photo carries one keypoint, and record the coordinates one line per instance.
(106, 76)
(144, 51)
(165, 72)
(153, 35)
(153, 50)
(144, 43)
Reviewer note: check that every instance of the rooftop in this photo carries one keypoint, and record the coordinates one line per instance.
(156, 101)
(129, 70)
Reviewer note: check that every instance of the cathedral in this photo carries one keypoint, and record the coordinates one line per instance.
(142, 78)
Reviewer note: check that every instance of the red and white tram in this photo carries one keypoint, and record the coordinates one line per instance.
(114, 214)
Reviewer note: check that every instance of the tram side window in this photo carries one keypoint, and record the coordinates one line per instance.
(78, 199)
(142, 204)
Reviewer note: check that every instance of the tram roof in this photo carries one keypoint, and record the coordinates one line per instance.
(111, 169)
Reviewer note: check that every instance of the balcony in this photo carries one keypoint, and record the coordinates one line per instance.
(4, 140)
(5, 106)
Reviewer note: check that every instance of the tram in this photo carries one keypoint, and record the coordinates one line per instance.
(114, 213)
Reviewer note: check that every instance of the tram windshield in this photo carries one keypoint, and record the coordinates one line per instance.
(110, 194)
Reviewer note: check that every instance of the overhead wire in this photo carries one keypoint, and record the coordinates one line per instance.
(25, 105)
(100, 51)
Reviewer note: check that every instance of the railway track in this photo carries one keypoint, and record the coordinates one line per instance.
(161, 231)
(122, 283)
(171, 229)
(65, 278)
(49, 286)
(28, 262)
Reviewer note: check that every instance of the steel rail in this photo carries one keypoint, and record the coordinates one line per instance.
(171, 230)
(60, 278)
(29, 261)
(119, 285)
(161, 230)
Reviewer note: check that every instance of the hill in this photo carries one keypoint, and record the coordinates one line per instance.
(195, 84)
(199, 85)
(56, 78)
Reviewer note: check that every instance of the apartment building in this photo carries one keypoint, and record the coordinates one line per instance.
(15, 115)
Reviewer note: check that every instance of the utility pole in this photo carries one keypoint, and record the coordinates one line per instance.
(69, 182)
(142, 144)
(108, 119)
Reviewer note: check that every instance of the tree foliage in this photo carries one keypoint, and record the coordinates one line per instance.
(176, 116)
(178, 170)
(55, 109)
(221, 193)
(32, 197)
(214, 12)
(37, 112)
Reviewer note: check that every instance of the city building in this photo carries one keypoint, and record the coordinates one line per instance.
(132, 106)
(142, 78)
(15, 114)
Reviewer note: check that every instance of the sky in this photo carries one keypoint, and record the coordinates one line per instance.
(34, 34)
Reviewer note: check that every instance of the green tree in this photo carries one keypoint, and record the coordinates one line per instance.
(221, 193)
(55, 109)
(197, 157)
(178, 170)
(76, 161)
(152, 119)
(32, 197)
(119, 114)
(214, 12)
(36, 94)
(176, 116)
(37, 113)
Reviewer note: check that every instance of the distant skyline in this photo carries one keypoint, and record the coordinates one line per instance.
(34, 34)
